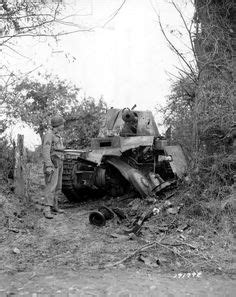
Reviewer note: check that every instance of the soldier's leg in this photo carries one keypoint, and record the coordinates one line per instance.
(50, 190)
(58, 187)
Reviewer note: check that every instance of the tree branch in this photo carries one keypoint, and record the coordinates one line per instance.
(114, 14)
(186, 27)
(175, 49)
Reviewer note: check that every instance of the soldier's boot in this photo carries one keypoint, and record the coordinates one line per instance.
(56, 209)
(47, 212)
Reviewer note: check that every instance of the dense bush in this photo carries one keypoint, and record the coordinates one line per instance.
(6, 159)
(201, 106)
(83, 122)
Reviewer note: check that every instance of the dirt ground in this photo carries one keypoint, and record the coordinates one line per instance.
(121, 283)
(172, 256)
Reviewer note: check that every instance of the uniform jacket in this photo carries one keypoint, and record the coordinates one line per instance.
(53, 148)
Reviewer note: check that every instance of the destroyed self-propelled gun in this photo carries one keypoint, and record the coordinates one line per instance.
(128, 156)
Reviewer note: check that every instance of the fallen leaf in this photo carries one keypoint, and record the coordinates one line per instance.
(173, 210)
(119, 236)
(163, 228)
(182, 236)
(16, 251)
(183, 227)
(149, 261)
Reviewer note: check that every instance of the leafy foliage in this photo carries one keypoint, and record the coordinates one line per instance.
(201, 107)
(26, 18)
(83, 122)
(34, 102)
(6, 159)
(178, 112)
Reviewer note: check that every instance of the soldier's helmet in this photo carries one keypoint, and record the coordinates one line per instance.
(57, 121)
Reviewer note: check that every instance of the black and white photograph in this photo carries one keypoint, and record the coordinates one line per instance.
(117, 148)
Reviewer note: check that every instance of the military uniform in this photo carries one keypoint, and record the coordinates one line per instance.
(53, 155)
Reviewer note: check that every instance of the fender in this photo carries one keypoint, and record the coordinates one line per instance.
(134, 176)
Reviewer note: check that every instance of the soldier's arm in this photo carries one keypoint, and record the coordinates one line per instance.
(47, 144)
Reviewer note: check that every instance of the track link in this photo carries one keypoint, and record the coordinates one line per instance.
(68, 188)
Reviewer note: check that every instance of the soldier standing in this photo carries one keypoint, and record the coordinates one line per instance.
(53, 154)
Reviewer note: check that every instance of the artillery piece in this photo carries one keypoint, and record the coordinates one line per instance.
(129, 155)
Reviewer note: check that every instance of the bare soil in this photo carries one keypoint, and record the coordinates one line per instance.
(174, 255)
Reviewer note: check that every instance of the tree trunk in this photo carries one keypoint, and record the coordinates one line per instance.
(19, 170)
(1, 161)
(233, 46)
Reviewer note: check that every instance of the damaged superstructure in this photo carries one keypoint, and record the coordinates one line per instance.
(129, 155)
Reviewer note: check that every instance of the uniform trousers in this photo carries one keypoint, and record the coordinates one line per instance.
(53, 184)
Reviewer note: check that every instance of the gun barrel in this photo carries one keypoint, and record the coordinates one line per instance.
(128, 116)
